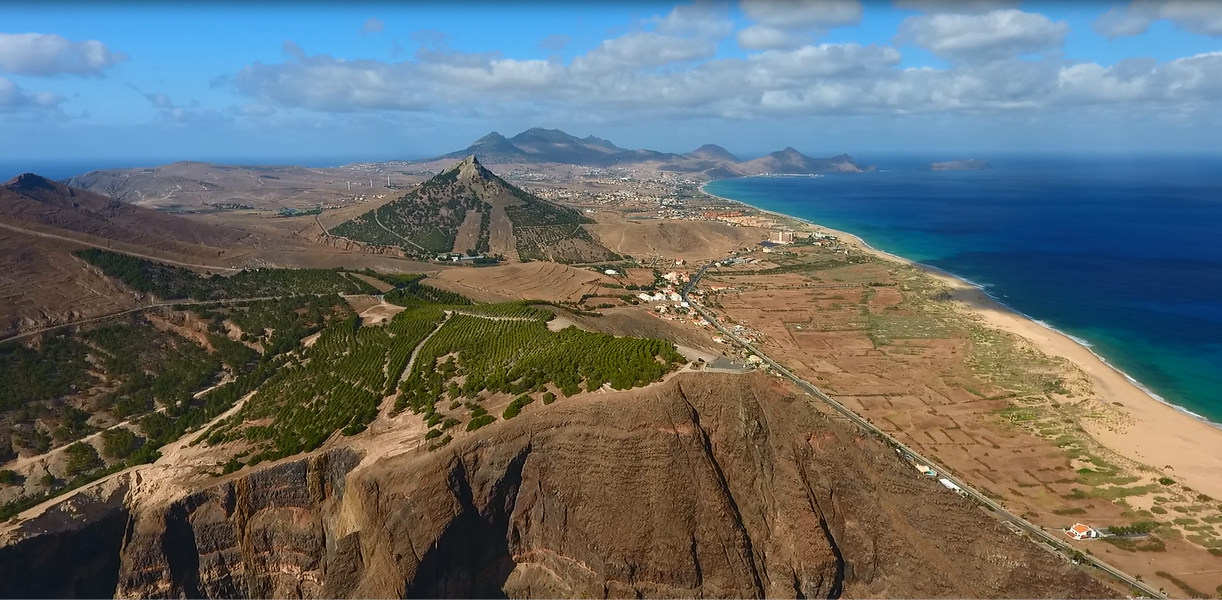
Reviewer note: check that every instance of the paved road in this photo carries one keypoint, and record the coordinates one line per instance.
(1036, 532)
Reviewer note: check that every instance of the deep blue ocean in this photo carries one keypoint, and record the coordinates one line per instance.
(1124, 254)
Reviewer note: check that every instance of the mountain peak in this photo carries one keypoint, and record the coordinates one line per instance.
(490, 138)
(467, 164)
(31, 182)
(713, 151)
(539, 134)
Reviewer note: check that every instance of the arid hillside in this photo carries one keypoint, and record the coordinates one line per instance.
(706, 486)
(690, 240)
(34, 200)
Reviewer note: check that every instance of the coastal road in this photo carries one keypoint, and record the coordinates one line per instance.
(1033, 530)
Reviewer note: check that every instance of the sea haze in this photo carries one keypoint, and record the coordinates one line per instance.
(1122, 253)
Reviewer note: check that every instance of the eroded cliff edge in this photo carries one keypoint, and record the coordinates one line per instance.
(706, 486)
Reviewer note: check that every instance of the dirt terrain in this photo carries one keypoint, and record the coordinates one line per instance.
(1008, 419)
(525, 281)
(205, 187)
(742, 490)
(690, 240)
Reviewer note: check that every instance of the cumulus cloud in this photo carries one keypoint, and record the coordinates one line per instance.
(48, 54)
(1193, 80)
(372, 25)
(324, 83)
(1203, 17)
(702, 19)
(958, 7)
(675, 73)
(797, 14)
(990, 36)
(14, 98)
(643, 49)
(763, 37)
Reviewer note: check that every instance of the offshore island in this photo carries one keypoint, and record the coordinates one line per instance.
(550, 366)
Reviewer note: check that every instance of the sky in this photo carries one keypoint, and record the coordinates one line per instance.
(380, 81)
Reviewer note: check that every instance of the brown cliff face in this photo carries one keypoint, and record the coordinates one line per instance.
(707, 486)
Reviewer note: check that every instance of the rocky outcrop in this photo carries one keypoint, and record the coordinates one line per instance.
(707, 486)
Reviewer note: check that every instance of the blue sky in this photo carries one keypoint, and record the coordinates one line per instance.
(387, 80)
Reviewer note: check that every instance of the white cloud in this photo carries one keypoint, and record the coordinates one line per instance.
(328, 84)
(994, 35)
(13, 98)
(803, 14)
(48, 54)
(959, 7)
(643, 49)
(703, 19)
(1203, 17)
(648, 74)
(763, 37)
(1187, 82)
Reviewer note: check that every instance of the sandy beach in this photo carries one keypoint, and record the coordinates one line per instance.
(1181, 445)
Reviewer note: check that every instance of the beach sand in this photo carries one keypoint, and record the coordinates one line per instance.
(1182, 446)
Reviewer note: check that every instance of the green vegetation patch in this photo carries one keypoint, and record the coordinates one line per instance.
(54, 369)
(516, 406)
(336, 384)
(521, 356)
(169, 282)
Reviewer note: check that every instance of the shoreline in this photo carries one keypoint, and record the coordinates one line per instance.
(1164, 436)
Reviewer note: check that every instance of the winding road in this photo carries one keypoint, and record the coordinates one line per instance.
(1037, 533)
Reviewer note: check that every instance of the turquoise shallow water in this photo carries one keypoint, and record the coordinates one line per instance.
(1123, 254)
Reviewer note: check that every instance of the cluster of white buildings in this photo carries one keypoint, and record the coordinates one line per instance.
(661, 296)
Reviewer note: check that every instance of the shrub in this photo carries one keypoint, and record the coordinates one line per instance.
(9, 477)
(548, 398)
(82, 458)
(516, 406)
(1166, 481)
(433, 433)
(120, 442)
(1137, 528)
(480, 421)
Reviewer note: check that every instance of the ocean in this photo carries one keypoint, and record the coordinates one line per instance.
(1122, 254)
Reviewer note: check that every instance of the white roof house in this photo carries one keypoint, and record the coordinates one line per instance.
(1081, 531)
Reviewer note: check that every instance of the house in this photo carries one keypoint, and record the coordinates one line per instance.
(950, 485)
(926, 469)
(1081, 531)
(611, 272)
